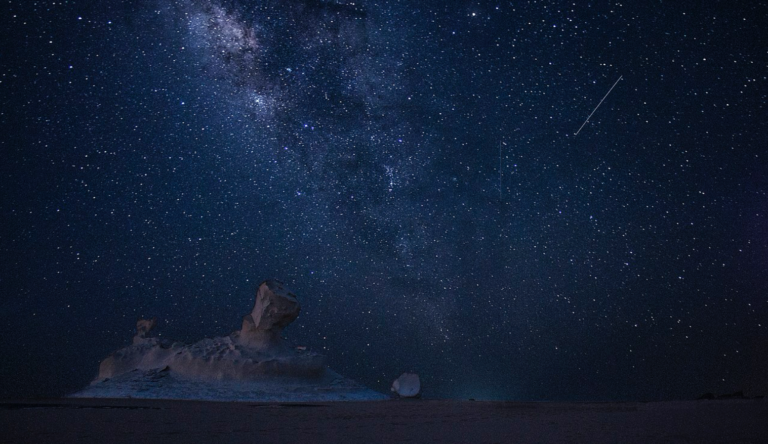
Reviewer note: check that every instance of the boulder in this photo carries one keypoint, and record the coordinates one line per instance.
(407, 385)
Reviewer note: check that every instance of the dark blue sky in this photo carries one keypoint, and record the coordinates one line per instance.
(410, 169)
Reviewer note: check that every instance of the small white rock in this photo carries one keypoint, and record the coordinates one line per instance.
(407, 385)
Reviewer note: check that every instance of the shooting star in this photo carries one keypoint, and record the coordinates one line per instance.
(501, 171)
(598, 105)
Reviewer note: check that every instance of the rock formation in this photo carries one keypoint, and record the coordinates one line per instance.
(143, 327)
(275, 308)
(408, 385)
(249, 364)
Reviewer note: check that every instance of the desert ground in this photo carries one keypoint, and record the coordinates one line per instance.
(394, 421)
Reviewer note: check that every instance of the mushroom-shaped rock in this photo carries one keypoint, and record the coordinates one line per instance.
(143, 327)
(407, 385)
(275, 308)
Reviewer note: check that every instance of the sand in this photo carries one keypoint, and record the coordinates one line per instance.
(413, 421)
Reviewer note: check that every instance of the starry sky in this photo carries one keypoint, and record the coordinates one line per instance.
(411, 170)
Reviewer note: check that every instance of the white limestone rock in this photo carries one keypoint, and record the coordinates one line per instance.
(408, 385)
(251, 360)
(143, 327)
(275, 308)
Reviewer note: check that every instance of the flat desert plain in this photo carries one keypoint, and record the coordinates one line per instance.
(417, 421)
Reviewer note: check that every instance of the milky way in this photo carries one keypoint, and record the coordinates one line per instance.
(410, 170)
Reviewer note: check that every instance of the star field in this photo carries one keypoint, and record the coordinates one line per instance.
(411, 170)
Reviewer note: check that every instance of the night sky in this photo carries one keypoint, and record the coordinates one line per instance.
(410, 170)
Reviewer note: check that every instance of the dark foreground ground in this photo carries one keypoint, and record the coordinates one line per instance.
(145, 421)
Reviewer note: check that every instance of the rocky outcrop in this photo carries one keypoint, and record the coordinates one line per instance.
(252, 363)
(215, 358)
